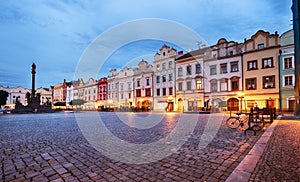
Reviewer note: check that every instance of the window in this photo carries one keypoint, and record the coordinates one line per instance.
(288, 81)
(164, 92)
(147, 81)
(213, 70)
(234, 85)
(189, 70)
(121, 86)
(129, 85)
(260, 46)
(129, 95)
(170, 90)
(122, 95)
(125, 73)
(267, 63)
(138, 92)
(288, 63)
(138, 82)
(164, 66)
(158, 92)
(251, 84)
(188, 85)
(164, 79)
(230, 53)
(170, 77)
(180, 71)
(252, 65)
(223, 85)
(234, 66)
(157, 79)
(157, 67)
(223, 68)
(148, 91)
(268, 82)
(199, 84)
(198, 68)
(180, 86)
(214, 87)
(170, 65)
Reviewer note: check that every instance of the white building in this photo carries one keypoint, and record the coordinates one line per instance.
(223, 74)
(46, 95)
(125, 89)
(190, 80)
(14, 94)
(164, 79)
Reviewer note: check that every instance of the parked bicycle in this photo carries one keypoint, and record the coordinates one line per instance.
(240, 120)
(249, 122)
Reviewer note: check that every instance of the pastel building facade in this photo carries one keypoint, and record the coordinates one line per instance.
(164, 79)
(143, 85)
(190, 86)
(261, 70)
(223, 75)
(287, 72)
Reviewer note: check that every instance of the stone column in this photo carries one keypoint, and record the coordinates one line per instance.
(33, 80)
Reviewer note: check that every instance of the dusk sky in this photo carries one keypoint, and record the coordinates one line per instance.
(54, 34)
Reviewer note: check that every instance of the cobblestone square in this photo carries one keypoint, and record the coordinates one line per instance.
(51, 147)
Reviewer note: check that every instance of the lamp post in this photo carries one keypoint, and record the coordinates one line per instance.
(241, 96)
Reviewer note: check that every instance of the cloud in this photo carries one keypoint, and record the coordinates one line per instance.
(56, 33)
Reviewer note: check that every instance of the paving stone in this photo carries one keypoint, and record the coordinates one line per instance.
(52, 146)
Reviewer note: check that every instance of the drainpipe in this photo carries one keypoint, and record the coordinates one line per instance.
(280, 81)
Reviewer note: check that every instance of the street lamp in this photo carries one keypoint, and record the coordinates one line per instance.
(241, 96)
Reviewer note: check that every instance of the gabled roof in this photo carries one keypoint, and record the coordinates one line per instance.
(193, 53)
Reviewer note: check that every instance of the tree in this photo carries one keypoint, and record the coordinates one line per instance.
(77, 102)
(3, 97)
(59, 104)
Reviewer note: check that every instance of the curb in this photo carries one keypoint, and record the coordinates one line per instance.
(246, 167)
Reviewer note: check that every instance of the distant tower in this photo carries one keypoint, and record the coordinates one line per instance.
(33, 80)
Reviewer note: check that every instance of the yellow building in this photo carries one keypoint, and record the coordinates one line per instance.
(260, 70)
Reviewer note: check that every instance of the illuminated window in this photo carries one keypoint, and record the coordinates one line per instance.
(267, 63)
(269, 82)
(251, 84)
(199, 84)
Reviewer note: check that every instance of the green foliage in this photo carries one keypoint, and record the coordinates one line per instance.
(3, 97)
(59, 104)
(77, 102)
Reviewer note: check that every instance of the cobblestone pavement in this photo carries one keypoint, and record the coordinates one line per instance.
(281, 159)
(51, 147)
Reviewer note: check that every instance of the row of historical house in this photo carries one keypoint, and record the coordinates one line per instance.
(228, 75)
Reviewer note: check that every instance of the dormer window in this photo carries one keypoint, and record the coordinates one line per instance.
(164, 53)
(260, 46)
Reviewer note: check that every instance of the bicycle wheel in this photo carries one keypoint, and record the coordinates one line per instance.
(249, 132)
(233, 122)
